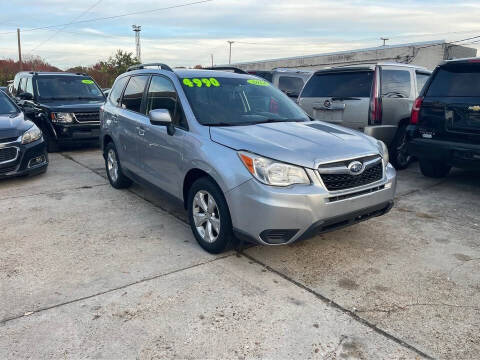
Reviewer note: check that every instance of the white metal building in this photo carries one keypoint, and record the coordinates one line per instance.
(426, 54)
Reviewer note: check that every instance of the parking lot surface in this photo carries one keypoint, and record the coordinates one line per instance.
(87, 271)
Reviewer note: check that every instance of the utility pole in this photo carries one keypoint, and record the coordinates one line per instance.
(230, 54)
(137, 29)
(211, 56)
(384, 40)
(19, 50)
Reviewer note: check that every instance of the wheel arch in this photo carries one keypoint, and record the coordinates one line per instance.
(190, 177)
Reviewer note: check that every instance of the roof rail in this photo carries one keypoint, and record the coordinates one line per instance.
(232, 68)
(142, 66)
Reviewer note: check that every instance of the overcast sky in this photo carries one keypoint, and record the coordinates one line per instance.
(262, 29)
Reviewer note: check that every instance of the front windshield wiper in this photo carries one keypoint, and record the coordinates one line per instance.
(278, 120)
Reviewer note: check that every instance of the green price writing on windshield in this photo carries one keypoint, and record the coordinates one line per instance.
(258, 82)
(201, 82)
(86, 81)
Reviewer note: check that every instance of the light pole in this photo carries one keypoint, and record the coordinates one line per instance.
(384, 40)
(230, 53)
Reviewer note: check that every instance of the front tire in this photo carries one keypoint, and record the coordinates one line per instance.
(115, 174)
(434, 169)
(209, 216)
(399, 156)
(52, 145)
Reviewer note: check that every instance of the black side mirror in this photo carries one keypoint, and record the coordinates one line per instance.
(162, 117)
(25, 96)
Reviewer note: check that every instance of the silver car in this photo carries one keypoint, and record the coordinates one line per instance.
(373, 98)
(245, 160)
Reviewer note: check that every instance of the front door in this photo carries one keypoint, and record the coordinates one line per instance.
(162, 153)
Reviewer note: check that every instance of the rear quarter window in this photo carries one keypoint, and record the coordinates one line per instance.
(456, 80)
(290, 84)
(341, 84)
(421, 81)
(396, 83)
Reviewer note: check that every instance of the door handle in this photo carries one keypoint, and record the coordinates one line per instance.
(141, 131)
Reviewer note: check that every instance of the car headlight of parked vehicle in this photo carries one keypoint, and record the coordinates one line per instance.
(384, 152)
(31, 135)
(63, 118)
(272, 172)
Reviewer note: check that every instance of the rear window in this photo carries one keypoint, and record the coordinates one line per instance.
(341, 84)
(459, 80)
(396, 83)
(290, 84)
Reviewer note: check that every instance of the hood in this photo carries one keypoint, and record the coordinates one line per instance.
(301, 143)
(72, 105)
(12, 126)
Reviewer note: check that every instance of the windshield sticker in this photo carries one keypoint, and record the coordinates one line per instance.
(201, 82)
(86, 81)
(258, 82)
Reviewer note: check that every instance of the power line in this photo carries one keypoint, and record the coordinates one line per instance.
(65, 26)
(114, 16)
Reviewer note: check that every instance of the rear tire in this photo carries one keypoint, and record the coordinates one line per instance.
(115, 174)
(434, 169)
(209, 216)
(399, 156)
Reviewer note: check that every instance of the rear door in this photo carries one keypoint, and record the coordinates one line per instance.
(132, 123)
(397, 93)
(451, 107)
(341, 97)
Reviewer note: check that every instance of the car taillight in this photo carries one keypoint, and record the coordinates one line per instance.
(416, 110)
(375, 115)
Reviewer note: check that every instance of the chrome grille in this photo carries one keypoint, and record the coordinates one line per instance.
(88, 117)
(8, 154)
(336, 176)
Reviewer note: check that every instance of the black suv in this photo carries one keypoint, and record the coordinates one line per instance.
(445, 121)
(65, 106)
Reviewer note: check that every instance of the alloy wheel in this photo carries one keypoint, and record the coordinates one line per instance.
(112, 165)
(206, 216)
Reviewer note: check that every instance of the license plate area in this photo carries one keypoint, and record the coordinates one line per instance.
(330, 115)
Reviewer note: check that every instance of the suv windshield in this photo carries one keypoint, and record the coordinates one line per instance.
(67, 88)
(339, 85)
(6, 106)
(228, 101)
(456, 80)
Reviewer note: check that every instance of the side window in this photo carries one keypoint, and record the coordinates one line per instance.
(29, 86)
(396, 83)
(21, 86)
(132, 98)
(290, 84)
(162, 95)
(116, 92)
(421, 80)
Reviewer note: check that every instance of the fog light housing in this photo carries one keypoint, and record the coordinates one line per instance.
(36, 161)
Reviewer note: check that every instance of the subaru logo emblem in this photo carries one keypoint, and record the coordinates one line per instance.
(355, 168)
(327, 103)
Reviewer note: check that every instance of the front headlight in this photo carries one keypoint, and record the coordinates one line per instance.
(384, 152)
(31, 135)
(64, 118)
(272, 172)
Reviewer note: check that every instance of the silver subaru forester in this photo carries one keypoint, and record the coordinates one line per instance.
(246, 161)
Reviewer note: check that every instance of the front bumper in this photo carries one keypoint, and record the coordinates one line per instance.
(462, 155)
(276, 216)
(76, 132)
(32, 159)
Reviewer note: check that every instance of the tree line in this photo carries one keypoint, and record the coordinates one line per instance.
(104, 72)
